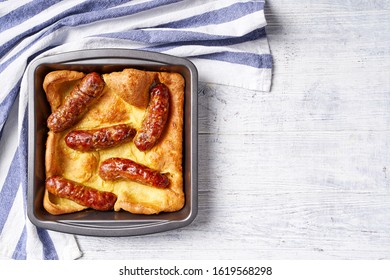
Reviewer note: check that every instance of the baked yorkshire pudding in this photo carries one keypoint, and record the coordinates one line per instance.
(114, 142)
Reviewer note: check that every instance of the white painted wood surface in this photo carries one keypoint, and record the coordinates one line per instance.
(301, 172)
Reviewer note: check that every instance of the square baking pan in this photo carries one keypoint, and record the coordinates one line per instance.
(110, 223)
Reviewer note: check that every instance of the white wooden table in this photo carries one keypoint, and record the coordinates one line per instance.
(301, 172)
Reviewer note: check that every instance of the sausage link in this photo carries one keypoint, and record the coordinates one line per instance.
(123, 168)
(97, 139)
(155, 118)
(87, 196)
(76, 104)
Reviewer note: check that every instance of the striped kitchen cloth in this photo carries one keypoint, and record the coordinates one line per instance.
(226, 40)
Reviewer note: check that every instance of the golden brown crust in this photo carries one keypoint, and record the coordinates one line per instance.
(131, 85)
(120, 104)
(57, 82)
(57, 206)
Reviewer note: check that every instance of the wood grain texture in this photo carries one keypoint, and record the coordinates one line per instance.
(301, 172)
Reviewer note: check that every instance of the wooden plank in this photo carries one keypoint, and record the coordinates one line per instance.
(310, 104)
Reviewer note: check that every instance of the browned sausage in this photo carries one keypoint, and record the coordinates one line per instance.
(97, 139)
(87, 196)
(76, 104)
(155, 118)
(123, 168)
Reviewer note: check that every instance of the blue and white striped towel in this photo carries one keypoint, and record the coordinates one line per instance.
(226, 40)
